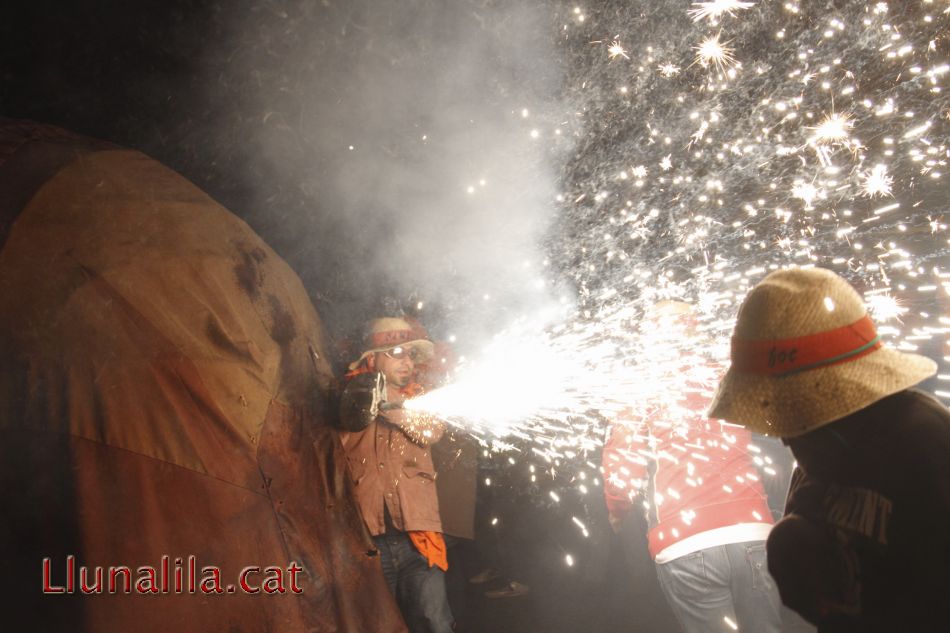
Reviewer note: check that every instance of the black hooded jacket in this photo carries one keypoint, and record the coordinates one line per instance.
(865, 543)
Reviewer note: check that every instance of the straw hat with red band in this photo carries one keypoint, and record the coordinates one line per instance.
(805, 353)
(391, 332)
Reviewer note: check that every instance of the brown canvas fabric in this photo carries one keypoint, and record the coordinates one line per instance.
(456, 461)
(162, 393)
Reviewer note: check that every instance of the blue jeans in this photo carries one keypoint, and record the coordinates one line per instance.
(727, 581)
(418, 588)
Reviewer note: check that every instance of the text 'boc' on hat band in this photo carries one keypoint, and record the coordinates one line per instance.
(782, 357)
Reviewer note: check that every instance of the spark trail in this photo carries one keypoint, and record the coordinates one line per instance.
(822, 140)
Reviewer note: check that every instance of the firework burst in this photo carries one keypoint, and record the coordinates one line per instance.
(616, 50)
(876, 182)
(835, 128)
(713, 52)
(713, 10)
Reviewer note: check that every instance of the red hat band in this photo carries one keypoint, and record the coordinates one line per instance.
(783, 357)
(390, 338)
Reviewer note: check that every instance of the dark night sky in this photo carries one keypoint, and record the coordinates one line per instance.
(149, 75)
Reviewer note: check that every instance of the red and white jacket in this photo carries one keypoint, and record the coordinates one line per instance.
(706, 482)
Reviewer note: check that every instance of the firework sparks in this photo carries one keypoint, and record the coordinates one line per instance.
(616, 50)
(712, 51)
(806, 192)
(751, 172)
(835, 128)
(883, 306)
(876, 182)
(713, 10)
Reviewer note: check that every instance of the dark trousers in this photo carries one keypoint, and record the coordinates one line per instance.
(418, 588)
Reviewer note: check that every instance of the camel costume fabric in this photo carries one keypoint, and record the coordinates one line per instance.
(163, 389)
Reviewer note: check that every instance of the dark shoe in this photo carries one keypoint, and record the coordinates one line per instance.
(486, 575)
(512, 590)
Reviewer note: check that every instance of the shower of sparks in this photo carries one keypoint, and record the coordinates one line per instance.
(616, 50)
(712, 51)
(876, 182)
(713, 10)
(806, 192)
(883, 307)
(782, 165)
(836, 128)
(538, 382)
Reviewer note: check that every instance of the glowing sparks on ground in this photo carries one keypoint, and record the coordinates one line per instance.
(671, 70)
(716, 8)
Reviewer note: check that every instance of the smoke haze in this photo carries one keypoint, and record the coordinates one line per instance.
(443, 197)
(408, 129)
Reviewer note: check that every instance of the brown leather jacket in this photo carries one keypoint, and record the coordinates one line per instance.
(390, 465)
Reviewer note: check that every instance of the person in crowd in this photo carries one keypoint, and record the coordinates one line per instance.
(470, 514)
(865, 541)
(501, 535)
(390, 465)
(708, 512)
(455, 457)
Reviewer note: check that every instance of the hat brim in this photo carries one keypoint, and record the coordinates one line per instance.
(788, 406)
(425, 348)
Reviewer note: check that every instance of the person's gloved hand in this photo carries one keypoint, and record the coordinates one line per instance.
(359, 404)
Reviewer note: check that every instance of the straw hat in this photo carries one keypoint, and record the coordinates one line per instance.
(805, 353)
(390, 332)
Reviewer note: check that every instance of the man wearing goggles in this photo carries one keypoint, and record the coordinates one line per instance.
(390, 465)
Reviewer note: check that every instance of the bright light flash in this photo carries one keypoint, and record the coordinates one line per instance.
(616, 50)
(884, 307)
(836, 128)
(716, 8)
(534, 380)
(712, 51)
(806, 192)
(876, 182)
